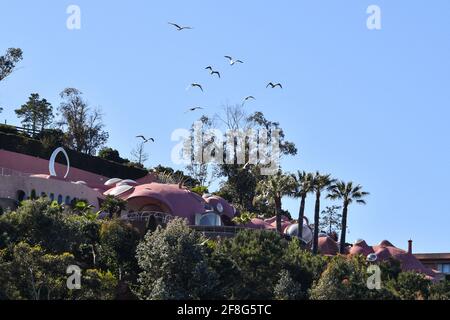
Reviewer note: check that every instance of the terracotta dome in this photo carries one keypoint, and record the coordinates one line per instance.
(328, 246)
(170, 199)
(361, 247)
(220, 205)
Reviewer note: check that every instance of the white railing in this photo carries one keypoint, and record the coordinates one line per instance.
(6, 172)
(145, 216)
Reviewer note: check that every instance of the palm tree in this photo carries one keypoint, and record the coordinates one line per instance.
(273, 189)
(113, 206)
(303, 186)
(319, 183)
(348, 194)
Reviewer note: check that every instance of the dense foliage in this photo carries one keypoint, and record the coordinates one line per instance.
(40, 240)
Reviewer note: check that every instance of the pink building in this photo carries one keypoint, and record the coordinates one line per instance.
(23, 177)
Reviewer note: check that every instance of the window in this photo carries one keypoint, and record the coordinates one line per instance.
(210, 219)
(67, 202)
(60, 199)
(52, 196)
(444, 268)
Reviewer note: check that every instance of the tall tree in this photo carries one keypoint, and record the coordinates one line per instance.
(36, 114)
(319, 184)
(303, 186)
(139, 154)
(84, 127)
(348, 193)
(242, 179)
(331, 219)
(200, 169)
(9, 61)
(273, 189)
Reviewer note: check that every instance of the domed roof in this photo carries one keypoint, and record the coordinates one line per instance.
(386, 243)
(220, 205)
(178, 200)
(292, 231)
(361, 247)
(112, 182)
(328, 246)
(269, 224)
(386, 250)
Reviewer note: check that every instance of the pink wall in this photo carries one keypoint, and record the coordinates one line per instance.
(31, 165)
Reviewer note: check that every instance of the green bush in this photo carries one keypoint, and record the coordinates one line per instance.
(258, 256)
(8, 129)
(174, 265)
(287, 288)
(410, 286)
(118, 242)
(440, 290)
(346, 279)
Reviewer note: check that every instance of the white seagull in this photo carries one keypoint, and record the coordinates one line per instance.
(232, 61)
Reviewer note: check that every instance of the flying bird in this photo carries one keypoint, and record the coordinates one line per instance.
(145, 139)
(194, 109)
(196, 85)
(212, 71)
(271, 84)
(180, 28)
(232, 61)
(249, 98)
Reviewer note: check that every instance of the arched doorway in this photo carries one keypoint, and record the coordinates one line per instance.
(20, 195)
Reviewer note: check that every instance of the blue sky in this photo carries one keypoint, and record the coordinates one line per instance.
(367, 106)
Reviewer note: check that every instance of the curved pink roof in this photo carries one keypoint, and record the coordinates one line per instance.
(258, 224)
(269, 224)
(179, 201)
(361, 248)
(386, 250)
(328, 246)
(213, 201)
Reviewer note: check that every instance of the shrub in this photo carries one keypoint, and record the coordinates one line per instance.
(118, 243)
(174, 265)
(258, 255)
(200, 190)
(287, 288)
(8, 129)
(303, 266)
(346, 279)
(410, 286)
(440, 291)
